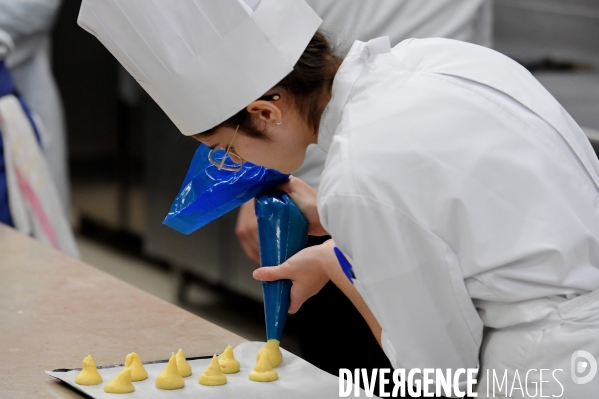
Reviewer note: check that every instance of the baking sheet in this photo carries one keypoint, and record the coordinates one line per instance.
(297, 379)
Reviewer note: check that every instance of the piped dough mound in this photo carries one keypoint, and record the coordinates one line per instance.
(227, 361)
(213, 375)
(263, 371)
(138, 372)
(89, 374)
(272, 348)
(182, 365)
(121, 383)
(170, 378)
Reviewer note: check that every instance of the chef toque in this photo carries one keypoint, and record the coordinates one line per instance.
(202, 61)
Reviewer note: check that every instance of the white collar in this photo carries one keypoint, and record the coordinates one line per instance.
(359, 57)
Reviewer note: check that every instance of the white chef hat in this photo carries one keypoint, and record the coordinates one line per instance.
(202, 61)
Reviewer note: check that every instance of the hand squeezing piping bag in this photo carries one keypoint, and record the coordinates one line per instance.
(283, 231)
(208, 193)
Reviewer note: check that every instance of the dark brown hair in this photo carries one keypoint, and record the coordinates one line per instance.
(312, 76)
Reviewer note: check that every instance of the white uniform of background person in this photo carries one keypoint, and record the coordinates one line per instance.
(467, 198)
(29, 23)
(349, 20)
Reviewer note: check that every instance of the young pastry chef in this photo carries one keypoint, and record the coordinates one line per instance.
(463, 194)
(347, 21)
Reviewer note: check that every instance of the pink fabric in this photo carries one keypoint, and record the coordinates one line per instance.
(36, 207)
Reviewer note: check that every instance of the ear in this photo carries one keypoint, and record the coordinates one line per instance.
(266, 111)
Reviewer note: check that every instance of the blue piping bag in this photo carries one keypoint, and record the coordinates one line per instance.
(283, 231)
(207, 193)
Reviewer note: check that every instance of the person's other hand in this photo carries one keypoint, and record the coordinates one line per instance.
(304, 197)
(308, 270)
(246, 231)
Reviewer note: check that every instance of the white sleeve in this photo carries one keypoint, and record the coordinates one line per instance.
(21, 18)
(411, 281)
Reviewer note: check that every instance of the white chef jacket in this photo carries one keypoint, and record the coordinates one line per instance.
(467, 197)
(349, 20)
(29, 24)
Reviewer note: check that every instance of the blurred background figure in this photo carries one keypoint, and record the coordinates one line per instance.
(29, 24)
(29, 200)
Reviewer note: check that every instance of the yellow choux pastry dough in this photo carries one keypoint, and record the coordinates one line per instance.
(89, 374)
(138, 372)
(121, 383)
(213, 375)
(275, 357)
(228, 363)
(182, 365)
(170, 378)
(263, 371)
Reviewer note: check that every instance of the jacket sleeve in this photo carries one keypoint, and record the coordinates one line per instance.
(411, 280)
(21, 18)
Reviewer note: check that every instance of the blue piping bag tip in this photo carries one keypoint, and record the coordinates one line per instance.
(345, 265)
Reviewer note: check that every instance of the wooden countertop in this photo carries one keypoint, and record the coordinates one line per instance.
(55, 310)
